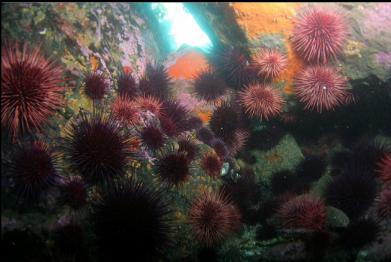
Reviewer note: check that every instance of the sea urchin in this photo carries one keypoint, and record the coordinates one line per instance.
(213, 217)
(261, 101)
(74, 193)
(383, 202)
(97, 148)
(152, 137)
(125, 111)
(34, 169)
(173, 168)
(209, 86)
(95, 86)
(131, 219)
(304, 211)
(270, 63)
(211, 164)
(385, 169)
(126, 85)
(321, 88)
(30, 89)
(319, 35)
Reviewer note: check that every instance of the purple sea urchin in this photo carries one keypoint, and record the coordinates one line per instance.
(209, 86)
(74, 193)
(95, 86)
(352, 192)
(233, 64)
(155, 82)
(131, 218)
(187, 145)
(225, 122)
(174, 117)
(173, 168)
(127, 85)
(152, 137)
(35, 170)
(97, 148)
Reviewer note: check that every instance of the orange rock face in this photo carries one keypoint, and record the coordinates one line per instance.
(259, 19)
(188, 65)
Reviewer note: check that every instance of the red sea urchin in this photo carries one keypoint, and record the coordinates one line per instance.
(213, 217)
(30, 90)
(149, 104)
(97, 148)
(303, 211)
(239, 141)
(319, 35)
(385, 169)
(34, 169)
(261, 101)
(209, 86)
(125, 111)
(321, 88)
(270, 63)
(131, 219)
(95, 86)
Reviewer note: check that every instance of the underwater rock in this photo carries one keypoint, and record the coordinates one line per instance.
(379, 250)
(293, 251)
(285, 156)
(336, 218)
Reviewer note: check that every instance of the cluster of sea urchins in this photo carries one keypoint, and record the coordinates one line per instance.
(318, 38)
(127, 216)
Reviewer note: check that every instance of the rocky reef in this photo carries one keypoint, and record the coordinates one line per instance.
(272, 145)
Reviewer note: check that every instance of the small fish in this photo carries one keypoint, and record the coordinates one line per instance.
(127, 70)
(94, 63)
